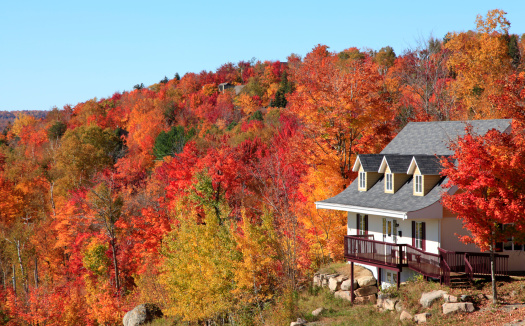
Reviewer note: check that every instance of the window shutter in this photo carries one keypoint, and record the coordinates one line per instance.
(357, 223)
(366, 224)
(413, 233)
(423, 237)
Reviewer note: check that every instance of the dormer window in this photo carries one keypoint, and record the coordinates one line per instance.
(388, 183)
(362, 180)
(418, 184)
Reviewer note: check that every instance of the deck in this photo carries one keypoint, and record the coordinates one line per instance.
(443, 266)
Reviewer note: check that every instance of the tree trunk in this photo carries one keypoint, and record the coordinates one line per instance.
(493, 276)
(115, 263)
(36, 272)
(19, 252)
(14, 279)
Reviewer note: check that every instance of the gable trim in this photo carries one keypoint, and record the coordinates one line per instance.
(357, 164)
(383, 166)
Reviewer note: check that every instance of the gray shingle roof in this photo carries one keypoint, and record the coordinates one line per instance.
(402, 200)
(398, 163)
(433, 137)
(420, 139)
(370, 162)
(429, 164)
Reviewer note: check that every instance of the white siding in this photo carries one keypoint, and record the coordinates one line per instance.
(375, 227)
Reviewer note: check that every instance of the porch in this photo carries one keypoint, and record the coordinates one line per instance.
(444, 266)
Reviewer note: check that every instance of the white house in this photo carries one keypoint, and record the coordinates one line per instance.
(396, 224)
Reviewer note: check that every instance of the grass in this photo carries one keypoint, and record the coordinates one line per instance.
(342, 312)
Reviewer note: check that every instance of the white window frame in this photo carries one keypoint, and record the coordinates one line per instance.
(419, 235)
(389, 182)
(418, 184)
(362, 180)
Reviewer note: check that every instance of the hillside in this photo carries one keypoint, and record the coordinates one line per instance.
(196, 193)
(8, 117)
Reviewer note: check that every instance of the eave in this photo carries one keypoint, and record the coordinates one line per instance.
(361, 210)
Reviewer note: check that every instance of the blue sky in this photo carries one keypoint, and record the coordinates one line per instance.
(65, 52)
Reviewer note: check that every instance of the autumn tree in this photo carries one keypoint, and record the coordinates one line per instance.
(340, 99)
(488, 173)
(479, 59)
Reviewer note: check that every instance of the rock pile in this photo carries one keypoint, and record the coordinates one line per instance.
(365, 285)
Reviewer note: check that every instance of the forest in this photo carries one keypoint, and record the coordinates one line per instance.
(202, 201)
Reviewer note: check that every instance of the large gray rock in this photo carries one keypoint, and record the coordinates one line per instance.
(428, 298)
(366, 281)
(345, 286)
(317, 311)
(450, 298)
(317, 280)
(299, 322)
(386, 302)
(343, 295)
(421, 318)
(450, 308)
(365, 291)
(142, 314)
(366, 299)
(334, 283)
(405, 316)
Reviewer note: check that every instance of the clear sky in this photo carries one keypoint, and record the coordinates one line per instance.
(64, 52)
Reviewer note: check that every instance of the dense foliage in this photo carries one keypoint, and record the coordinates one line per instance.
(202, 201)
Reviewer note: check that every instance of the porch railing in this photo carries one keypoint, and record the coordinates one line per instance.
(423, 262)
(384, 254)
(374, 252)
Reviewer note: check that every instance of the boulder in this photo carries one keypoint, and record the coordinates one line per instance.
(366, 299)
(428, 298)
(317, 280)
(422, 318)
(450, 298)
(399, 306)
(317, 311)
(405, 316)
(343, 295)
(450, 308)
(465, 298)
(345, 285)
(334, 284)
(386, 302)
(299, 322)
(142, 314)
(366, 281)
(365, 291)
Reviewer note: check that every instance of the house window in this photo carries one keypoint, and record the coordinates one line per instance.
(362, 224)
(418, 184)
(418, 235)
(362, 180)
(389, 178)
(509, 244)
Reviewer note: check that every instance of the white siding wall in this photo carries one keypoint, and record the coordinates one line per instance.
(375, 227)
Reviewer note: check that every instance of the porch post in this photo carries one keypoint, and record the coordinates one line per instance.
(352, 282)
(379, 273)
(399, 278)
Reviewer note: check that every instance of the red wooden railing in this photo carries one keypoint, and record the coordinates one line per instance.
(423, 262)
(374, 252)
(445, 271)
(384, 254)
